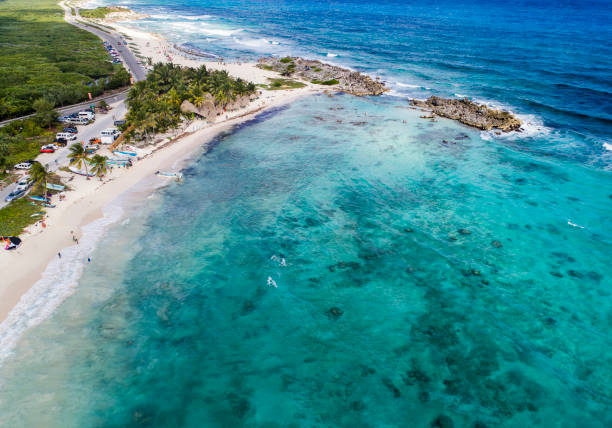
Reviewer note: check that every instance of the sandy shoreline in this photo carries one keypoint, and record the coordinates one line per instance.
(38, 255)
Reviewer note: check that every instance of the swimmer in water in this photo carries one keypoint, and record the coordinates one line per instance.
(271, 282)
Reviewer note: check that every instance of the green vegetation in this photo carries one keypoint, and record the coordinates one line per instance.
(277, 84)
(78, 156)
(154, 103)
(21, 140)
(265, 67)
(316, 69)
(18, 215)
(101, 12)
(99, 166)
(326, 82)
(43, 57)
(286, 60)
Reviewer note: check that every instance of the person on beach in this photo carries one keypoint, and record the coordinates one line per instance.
(59, 255)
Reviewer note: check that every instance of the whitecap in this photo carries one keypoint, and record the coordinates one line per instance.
(252, 43)
(607, 146)
(331, 55)
(59, 280)
(407, 85)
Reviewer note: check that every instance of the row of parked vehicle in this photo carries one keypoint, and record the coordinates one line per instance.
(81, 118)
(22, 186)
(113, 53)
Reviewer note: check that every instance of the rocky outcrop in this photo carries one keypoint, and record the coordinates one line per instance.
(471, 113)
(210, 110)
(339, 78)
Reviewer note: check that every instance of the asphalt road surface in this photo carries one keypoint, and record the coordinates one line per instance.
(115, 39)
(56, 160)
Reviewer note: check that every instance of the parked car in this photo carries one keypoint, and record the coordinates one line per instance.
(23, 165)
(47, 149)
(71, 130)
(119, 122)
(94, 140)
(65, 135)
(60, 141)
(24, 184)
(78, 121)
(14, 195)
(87, 114)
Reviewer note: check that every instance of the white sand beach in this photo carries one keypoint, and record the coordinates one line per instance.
(21, 269)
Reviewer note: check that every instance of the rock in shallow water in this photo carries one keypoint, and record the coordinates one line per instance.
(335, 312)
(470, 113)
(442, 421)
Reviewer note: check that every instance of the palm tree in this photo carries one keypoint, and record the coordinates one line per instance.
(78, 156)
(39, 175)
(99, 167)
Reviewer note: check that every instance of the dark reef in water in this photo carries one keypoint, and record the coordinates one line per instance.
(470, 113)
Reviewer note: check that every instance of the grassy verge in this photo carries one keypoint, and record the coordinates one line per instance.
(279, 84)
(326, 82)
(101, 12)
(17, 216)
(45, 57)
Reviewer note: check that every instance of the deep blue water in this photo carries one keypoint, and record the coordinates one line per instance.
(342, 262)
(548, 60)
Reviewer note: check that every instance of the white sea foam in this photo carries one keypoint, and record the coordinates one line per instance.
(607, 146)
(532, 126)
(407, 85)
(331, 55)
(253, 43)
(59, 280)
(187, 27)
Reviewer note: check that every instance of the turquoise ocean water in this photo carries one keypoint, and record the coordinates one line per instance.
(342, 262)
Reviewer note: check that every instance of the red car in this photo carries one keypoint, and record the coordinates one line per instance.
(47, 149)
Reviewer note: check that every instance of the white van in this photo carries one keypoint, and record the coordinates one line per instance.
(110, 132)
(78, 121)
(87, 115)
(107, 139)
(66, 135)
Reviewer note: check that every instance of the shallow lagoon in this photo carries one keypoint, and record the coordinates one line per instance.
(420, 270)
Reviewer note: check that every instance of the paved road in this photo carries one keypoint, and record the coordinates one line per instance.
(77, 107)
(129, 60)
(114, 38)
(60, 158)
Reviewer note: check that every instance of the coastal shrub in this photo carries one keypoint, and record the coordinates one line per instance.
(21, 140)
(45, 57)
(276, 84)
(18, 215)
(286, 60)
(265, 67)
(101, 12)
(330, 82)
